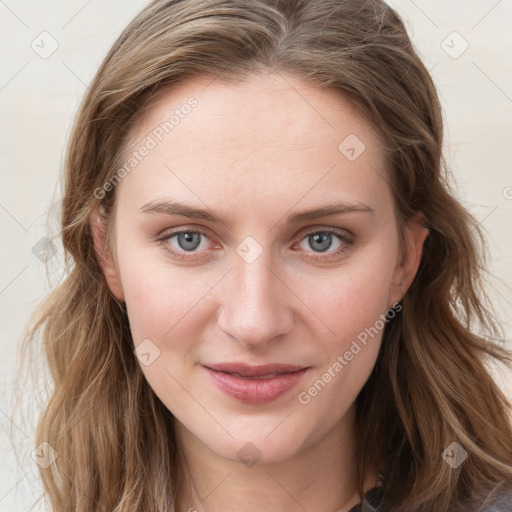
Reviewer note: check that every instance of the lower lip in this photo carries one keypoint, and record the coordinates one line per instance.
(256, 391)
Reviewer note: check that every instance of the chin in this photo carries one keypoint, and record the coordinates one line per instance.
(260, 445)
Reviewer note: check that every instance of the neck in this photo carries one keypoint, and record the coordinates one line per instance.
(321, 477)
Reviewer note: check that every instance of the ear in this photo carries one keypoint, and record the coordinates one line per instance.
(105, 257)
(415, 233)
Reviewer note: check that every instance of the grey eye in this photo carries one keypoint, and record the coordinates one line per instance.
(320, 242)
(188, 240)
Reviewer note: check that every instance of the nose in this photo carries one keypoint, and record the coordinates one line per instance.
(255, 307)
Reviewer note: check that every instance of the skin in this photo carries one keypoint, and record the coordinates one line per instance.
(255, 152)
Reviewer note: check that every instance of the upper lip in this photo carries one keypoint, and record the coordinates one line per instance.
(249, 370)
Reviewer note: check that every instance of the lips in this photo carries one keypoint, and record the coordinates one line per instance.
(255, 384)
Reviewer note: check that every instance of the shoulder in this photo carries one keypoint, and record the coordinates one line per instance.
(494, 503)
(502, 503)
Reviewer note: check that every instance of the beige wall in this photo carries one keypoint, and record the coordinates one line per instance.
(39, 94)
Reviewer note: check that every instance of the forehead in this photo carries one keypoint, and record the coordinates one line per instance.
(270, 134)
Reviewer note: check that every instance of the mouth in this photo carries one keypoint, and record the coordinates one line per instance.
(256, 377)
(255, 384)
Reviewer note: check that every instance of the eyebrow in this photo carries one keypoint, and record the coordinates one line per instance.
(170, 207)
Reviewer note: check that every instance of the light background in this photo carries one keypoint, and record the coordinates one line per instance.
(39, 96)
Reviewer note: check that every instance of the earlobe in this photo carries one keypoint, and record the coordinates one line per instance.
(105, 257)
(415, 235)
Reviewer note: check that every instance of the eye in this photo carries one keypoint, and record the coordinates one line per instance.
(321, 241)
(190, 243)
(188, 240)
(330, 242)
(185, 243)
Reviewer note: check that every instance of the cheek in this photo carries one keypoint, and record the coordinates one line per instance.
(353, 296)
(355, 307)
(353, 303)
(172, 321)
(160, 299)
(165, 312)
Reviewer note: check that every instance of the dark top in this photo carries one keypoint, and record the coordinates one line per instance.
(373, 499)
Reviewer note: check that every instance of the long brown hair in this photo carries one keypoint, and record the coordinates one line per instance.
(430, 386)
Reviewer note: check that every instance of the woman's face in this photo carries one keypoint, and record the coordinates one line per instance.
(259, 324)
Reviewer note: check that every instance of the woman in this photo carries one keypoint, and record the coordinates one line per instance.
(274, 301)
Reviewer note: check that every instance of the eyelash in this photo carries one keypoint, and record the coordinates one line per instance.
(346, 243)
